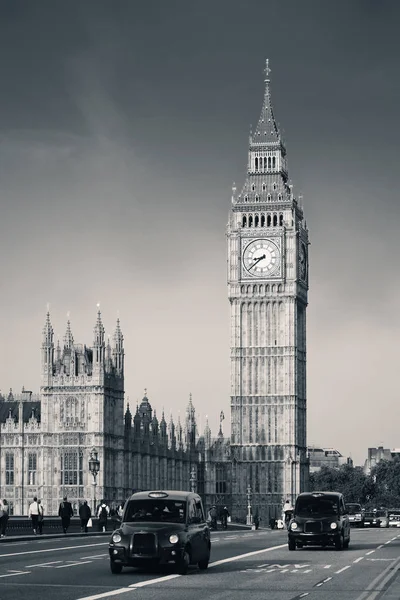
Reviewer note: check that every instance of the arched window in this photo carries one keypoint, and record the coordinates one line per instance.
(269, 162)
(269, 221)
(264, 187)
(253, 187)
(273, 162)
(275, 220)
(269, 198)
(244, 221)
(265, 163)
(257, 198)
(242, 289)
(250, 221)
(256, 220)
(274, 186)
(246, 198)
(256, 163)
(281, 219)
(280, 197)
(262, 220)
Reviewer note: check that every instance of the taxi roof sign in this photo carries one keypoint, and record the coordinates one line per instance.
(158, 495)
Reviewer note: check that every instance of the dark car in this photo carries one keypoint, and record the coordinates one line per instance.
(161, 527)
(356, 514)
(319, 519)
(372, 518)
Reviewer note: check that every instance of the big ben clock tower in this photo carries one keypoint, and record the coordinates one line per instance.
(267, 286)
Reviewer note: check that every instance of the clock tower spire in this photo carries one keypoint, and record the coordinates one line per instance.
(267, 287)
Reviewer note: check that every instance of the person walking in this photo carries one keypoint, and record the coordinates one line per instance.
(33, 513)
(65, 512)
(40, 516)
(102, 514)
(256, 521)
(224, 517)
(4, 509)
(85, 514)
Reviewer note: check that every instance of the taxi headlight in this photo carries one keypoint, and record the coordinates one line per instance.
(293, 526)
(333, 525)
(173, 539)
(116, 538)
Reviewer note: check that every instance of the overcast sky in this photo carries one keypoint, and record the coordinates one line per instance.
(122, 127)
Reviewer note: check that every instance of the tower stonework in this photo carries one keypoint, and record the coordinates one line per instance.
(267, 287)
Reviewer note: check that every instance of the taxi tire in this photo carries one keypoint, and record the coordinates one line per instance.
(203, 564)
(116, 568)
(184, 563)
(339, 543)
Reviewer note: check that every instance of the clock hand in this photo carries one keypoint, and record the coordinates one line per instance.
(257, 261)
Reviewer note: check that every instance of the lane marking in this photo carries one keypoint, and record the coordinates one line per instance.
(358, 559)
(54, 562)
(381, 580)
(254, 553)
(327, 579)
(14, 574)
(327, 566)
(343, 569)
(379, 547)
(52, 550)
(106, 594)
(82, 562)
(370, 552)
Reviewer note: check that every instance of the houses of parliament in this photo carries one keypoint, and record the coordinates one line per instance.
(46, 439)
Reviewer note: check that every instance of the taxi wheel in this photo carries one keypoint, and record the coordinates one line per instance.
(339, 543)
(184, 563)
(203, 564)
(116, 568)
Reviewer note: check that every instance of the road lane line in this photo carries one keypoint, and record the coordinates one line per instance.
(106, 594)
(379, 547)
(54, 562)
(327, 579)
(380, 581)
(327, 566)
(358, 559)
(52, 550)
(82, 562)
(370, 552)
(343, 569)
(238, 557)
(14, 574)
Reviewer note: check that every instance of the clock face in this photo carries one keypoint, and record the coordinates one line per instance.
(303, 262)
(261, 258)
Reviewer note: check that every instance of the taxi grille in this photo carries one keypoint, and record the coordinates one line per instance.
(313, 526)
(144, 544)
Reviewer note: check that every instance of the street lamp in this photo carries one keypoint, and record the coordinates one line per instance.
(248, 519)
(94, 468)
(193, 479)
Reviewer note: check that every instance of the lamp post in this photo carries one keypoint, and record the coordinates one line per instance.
(248, 519)
(193, 479)
(94, 468)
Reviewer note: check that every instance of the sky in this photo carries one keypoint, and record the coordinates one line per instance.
(122, 128)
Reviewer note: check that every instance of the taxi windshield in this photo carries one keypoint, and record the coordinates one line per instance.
(353, 509)
(316, 507)
(156, 511)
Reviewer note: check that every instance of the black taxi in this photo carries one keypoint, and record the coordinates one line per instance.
(319, 519)
(161, 527)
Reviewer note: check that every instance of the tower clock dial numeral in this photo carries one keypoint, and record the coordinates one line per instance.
(261, 258)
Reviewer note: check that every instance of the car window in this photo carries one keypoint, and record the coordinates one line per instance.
(199, 512)
(353, 509)
(156, 511)
(316, 507)
(191, 511)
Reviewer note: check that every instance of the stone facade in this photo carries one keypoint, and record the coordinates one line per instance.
(267, 287)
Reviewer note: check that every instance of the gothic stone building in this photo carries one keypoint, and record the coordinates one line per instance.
(267, 287)
(45, 442)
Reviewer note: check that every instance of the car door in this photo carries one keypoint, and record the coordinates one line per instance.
(204, 529)
(194, 532)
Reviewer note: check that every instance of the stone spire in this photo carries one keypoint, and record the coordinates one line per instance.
(68, 337)
(48, 333)
(118, 349)
(47, 348)
(266, 132)
(99, 341)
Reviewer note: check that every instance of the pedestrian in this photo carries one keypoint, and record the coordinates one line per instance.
(4, 510)
(120, 510)
(40, 516)
(65, 512)
(256, 521)
(287, 512)
(212, 517)
(224, 517)
(102, 514)
(33, 513)
(272, 522)
(85, 514)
